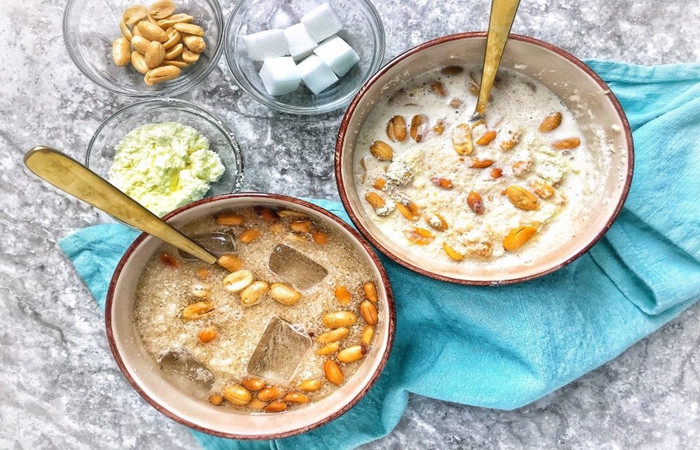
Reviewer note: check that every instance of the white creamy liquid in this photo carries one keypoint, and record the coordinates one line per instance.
(518, 106)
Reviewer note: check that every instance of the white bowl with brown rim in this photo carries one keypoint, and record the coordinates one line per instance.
(594, 105)
(143, 372)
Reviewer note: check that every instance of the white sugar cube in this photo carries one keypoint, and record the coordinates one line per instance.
(322, 22)
(280, 75)
(337, 55)
(300, 42)
(316, 74)
(266, 44)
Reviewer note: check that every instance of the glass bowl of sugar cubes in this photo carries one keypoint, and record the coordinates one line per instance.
(304, 56)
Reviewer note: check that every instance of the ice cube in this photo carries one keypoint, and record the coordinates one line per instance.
(186, 374)
(279, 351)
(337, 54)
(280, 75)
(300, 42)
(295, 268)
(217, 243)
(322, 22)
(316, 74)
(266, 44)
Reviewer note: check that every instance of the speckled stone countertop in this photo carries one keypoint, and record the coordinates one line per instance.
(60, 387)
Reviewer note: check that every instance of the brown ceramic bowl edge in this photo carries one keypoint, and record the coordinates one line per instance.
(577, 62)
(175, 417)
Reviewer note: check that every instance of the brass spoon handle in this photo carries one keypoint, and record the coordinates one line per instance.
(500, 23)
(77, 180)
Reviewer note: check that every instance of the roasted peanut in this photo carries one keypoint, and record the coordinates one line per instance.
(126, 31)
(134, 14)
(152, 32)
(439, 127)
(249, 235)
(175, 18)
(334, 335)
(173, 39)
(257, 405)
(370, 291)
(253, 384)
(338, 319)
(203, 273)
(522, 198)
(230, 262)
(396, 129)
(409, 210)
(275, 407)
(419, 236)
(208, 334)
(382, 151)
(161, 74)
(487, 138)
(254, 293)
(310, 385)
(284, 294)
(332, 372)
(438, 88)
(230, 219)
(518, 236)
(369, 312)
(551, 122)
(496, 172)
(437, 222)
(196, 311)
(169, 260)
(328, 349)
(442, 182)
(417, 127)
(301, 226)
(319, 237)
(352, 354)
(462, 139)
(268, 215)
(140, 44)
(343, 295)
(194, 43)
(238, 280)
(475, 202)
(375, 200)
(452, 253)
(189, 28)
(155, 54)
(139, 63)
(121, 52)
(237, 395)
(216, 399)
(270, 393)
(481, 163)
(162, 9)
(296, 397)
(173, 52)
(367, 334)
(565, 144)
(543, 190)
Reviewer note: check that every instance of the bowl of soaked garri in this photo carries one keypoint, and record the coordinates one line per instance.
(505, 199)
(289, 334)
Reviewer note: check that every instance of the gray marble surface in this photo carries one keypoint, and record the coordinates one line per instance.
(60, 387)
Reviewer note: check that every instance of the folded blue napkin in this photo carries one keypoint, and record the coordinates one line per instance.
(504, 347)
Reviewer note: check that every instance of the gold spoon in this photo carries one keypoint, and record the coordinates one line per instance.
(500, 23)
(77, 180)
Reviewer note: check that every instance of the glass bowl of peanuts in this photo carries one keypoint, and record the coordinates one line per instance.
(144, 50)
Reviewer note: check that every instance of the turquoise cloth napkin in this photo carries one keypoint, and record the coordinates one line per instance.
(503, 347)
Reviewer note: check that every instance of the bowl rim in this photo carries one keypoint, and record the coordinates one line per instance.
(242, 80)
(168, 102)
(339, 150)
(119, 89)
(391, 317)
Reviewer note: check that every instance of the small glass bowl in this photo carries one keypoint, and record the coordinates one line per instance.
(362, 29)
(90, 26)
(102, 146)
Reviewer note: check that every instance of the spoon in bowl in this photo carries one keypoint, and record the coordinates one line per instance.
(500, 23)
(77, 180)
